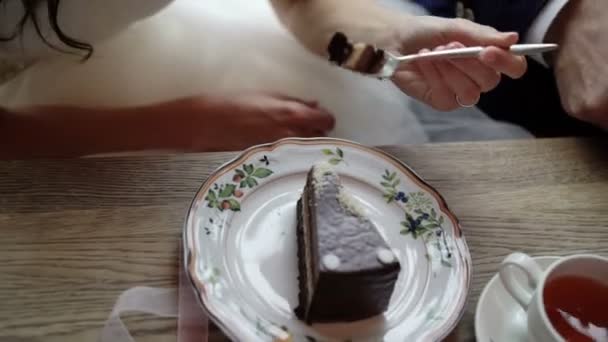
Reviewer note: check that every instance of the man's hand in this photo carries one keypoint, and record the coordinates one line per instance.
(581, 63)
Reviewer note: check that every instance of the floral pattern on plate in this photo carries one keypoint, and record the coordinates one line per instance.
(240, 247)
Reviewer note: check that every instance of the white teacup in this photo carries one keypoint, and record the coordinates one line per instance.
(530, 295)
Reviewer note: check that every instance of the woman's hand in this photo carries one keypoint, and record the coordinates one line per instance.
(198, 123)
(243, 120)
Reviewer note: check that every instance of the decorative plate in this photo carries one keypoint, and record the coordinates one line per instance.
(240, 244)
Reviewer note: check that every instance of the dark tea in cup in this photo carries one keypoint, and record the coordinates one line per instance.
(577, 308)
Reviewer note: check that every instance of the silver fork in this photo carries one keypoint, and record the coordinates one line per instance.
(393, 61)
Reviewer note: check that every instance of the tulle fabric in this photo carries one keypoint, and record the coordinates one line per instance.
(219, 47)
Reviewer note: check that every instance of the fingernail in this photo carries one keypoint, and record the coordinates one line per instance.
(440, 47)
(454, 45)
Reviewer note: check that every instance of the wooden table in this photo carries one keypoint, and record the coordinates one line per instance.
(78, 233)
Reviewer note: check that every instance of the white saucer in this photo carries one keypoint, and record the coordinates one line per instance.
(498, 317)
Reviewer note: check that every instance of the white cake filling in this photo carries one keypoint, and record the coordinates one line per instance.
(307, 251)
(353, 59)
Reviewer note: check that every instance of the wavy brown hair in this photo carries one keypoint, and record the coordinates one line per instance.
(30, 15)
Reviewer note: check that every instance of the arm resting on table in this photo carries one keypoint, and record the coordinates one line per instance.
(64, 131)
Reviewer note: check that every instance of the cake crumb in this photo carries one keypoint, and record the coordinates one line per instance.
(321, 173)
(350, 204)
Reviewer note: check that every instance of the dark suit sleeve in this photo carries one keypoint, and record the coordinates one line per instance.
(507, 15)
(504, 15)
(442, 8)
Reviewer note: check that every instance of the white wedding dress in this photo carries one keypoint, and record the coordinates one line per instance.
(202, 46)
(216, 46)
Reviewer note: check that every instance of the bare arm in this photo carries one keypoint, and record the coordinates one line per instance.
(199, 123)
(313, 22)
(64, 131)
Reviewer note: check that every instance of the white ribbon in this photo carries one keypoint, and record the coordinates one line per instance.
(192, 321)
(155, 301)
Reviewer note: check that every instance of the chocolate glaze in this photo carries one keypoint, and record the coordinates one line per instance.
(339, 48)
(367, 58)
(361, 286)
(377, 62)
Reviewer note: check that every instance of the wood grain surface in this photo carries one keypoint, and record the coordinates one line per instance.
(77, 233)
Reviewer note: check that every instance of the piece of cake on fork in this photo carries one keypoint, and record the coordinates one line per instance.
(347, 271)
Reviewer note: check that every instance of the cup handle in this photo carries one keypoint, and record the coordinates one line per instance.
(520, 292)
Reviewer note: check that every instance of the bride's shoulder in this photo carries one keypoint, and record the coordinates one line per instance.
(90, 22)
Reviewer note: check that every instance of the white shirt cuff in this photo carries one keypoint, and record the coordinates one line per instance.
(537, 32)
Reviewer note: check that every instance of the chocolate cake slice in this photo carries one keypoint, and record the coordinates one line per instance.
(360, 57)
(347, 272)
